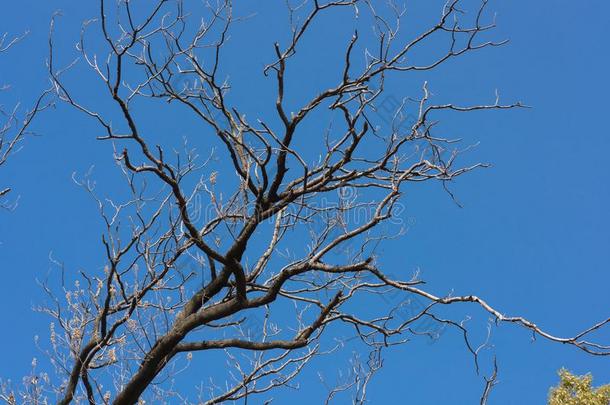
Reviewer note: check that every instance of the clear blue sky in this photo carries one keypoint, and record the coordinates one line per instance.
(533, 237)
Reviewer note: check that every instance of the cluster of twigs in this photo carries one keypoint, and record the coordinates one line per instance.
(14, 123)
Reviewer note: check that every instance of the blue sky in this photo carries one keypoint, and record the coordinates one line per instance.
(532, 236)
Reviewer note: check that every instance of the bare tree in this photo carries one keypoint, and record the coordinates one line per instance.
(200, 261)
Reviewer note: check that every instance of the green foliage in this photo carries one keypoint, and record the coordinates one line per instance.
(577, 390)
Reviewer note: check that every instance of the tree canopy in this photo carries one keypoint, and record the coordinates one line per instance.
(578, 390)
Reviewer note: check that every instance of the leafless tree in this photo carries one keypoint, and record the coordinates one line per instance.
(199, 260)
